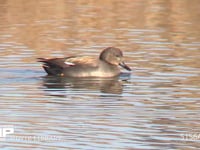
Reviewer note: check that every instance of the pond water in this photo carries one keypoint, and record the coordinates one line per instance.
(157, 106)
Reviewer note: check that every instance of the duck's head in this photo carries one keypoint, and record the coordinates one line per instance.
(113, 56)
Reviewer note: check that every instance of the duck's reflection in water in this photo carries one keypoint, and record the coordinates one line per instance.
(57, 86)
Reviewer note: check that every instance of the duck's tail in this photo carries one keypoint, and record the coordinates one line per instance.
(50, 66)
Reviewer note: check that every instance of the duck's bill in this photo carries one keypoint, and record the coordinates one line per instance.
(122, 64)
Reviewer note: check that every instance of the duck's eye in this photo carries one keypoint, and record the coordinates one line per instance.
(117, 56)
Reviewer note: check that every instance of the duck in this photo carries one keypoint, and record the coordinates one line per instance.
(106, 65)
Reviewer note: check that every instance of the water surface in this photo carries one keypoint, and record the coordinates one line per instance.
(156, 107)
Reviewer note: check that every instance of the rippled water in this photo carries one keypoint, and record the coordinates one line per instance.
(156, 107)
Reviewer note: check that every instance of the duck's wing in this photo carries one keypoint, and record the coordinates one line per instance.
(81, 60)
(55, 66)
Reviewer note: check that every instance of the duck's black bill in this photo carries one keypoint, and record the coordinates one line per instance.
(122, 64)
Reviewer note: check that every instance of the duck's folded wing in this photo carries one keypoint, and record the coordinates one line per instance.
(56, 66)
(69, 61)
(81, 61)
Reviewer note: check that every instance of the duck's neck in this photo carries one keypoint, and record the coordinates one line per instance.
(107, 67)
